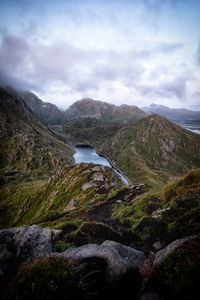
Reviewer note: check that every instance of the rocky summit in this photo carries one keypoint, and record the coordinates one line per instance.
(76, 231)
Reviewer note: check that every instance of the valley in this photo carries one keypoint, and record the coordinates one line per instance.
(69, 201)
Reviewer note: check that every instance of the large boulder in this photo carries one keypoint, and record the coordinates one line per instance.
(119, 259)
(160, 255)
(19, 245)
(103, 270)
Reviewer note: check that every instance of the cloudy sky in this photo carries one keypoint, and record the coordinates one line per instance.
(120, 51)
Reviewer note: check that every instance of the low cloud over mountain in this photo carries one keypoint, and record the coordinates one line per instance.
(122, 53)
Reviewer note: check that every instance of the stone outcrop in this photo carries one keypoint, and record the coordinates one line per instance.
(120, 259)
(106, 269)
(25, 244)
(20, 245)
(169, 248)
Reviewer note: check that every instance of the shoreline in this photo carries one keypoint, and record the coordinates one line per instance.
(104, 156)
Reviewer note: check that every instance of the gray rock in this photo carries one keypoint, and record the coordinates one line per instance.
(119, 201)
(96, 169)
(159, 213)
(169, 248)
(19, 245)
(158, 245)
(34, 240)
(98, 177)
(87, 185)
(6, 246)
(120, 259)
(73, 203)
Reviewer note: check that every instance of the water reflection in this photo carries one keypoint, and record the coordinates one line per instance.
(88, 154)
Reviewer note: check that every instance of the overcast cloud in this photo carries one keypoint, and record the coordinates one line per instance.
(134, 52)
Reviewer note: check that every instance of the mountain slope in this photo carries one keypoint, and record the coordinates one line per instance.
(72, 188)
(152, 151)
(47, 111)
(102, 111)
(28, 148)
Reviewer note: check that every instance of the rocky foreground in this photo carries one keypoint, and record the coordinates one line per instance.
(96, 238)
(91, 271)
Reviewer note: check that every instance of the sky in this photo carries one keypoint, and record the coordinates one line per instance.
(136, 52)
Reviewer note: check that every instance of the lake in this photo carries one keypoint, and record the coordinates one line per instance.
(194, 127)
(87, 154)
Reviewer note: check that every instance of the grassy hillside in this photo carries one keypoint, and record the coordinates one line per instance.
(51, 202)
(90, 204)
(167, 215)
(152, 151)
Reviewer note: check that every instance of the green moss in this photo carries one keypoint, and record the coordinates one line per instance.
(53, 278)
(177, 276)
(181, 186)
(138, 210)
(179, 203)
(62, 246)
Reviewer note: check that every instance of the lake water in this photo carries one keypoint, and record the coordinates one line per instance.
(194, 128)
(87, 154)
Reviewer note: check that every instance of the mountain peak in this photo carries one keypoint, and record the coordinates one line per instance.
(159, 106)
(86, 99)
(88, 108)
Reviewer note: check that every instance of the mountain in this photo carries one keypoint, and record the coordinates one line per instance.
(179, 115)
(80, 233)
(152, 151)
(104, 112)
(47, 111)
(28, 148)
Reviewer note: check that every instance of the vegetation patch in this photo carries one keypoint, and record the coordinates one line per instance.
(177, 276)
(181, 186)
(72, 190)
(139, 209)
(167, 215)
(54, 278)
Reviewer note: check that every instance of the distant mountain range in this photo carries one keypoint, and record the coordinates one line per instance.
(85, 108)
(179, 115)
(95, 111)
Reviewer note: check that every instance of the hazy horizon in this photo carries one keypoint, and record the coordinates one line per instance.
(122, 52)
